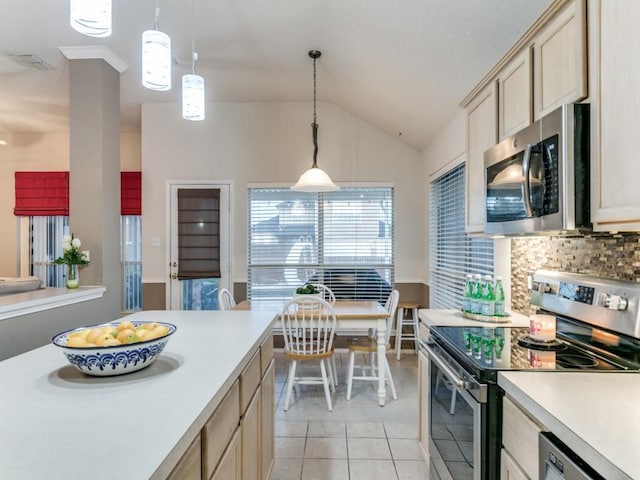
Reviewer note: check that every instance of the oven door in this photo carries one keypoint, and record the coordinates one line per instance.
(456, 415)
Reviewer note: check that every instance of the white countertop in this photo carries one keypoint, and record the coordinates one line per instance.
(597, 415)
(454, 318)
(58, 423)
(16, 304)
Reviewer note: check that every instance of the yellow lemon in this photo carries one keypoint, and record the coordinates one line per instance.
(149, 326)
(93, 335)
(105, 339)
(123, 334)
(76, 341)
(125, 326)
(131, 338)
(143, 334)
(111, 342)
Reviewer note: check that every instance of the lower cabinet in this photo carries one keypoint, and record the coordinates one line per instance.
(250, 425)
(267, 434)
(190, 465)
(520, 441)
(230, 467)
(509, 468)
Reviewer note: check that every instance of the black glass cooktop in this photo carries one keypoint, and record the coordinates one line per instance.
(490, 349)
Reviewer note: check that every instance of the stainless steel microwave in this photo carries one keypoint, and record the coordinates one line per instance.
(537, 180)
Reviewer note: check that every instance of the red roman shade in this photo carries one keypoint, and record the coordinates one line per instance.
(41, 193)
(130, 193)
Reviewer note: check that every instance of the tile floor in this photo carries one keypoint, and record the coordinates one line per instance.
(358, 439)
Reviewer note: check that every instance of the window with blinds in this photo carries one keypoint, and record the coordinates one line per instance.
(342, 239)
(131, 262)
(453, 253)
(45, 237)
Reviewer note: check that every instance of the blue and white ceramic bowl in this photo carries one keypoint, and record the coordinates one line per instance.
(113, 360)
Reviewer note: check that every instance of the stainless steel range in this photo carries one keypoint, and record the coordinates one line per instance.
(597, 330)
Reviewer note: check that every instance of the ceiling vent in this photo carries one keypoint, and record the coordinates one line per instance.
(30, 60)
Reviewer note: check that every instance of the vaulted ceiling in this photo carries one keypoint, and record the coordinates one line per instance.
(402, 65)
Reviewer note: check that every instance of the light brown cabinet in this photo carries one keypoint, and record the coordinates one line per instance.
(615, 106)
(560, 59)
(520, 439)
(509, 468)
(267, 420)
(230, 467)
(189, 467)
(481, 135)
(250, 425)
(515, 105)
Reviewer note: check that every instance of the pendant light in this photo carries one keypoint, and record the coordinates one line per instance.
(91, 17)
(156, 57)
(193, 85)
(315, 179)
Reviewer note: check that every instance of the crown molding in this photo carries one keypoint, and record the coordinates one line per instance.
(94, 52)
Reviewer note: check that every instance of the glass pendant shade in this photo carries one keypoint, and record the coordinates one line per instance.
(192, 97)
(156, 60)
(314, 180)
(91, 17)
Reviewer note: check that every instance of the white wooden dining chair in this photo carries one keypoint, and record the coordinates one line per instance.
(330, 297)
(369, 346)
(225, 299)
(308, 326)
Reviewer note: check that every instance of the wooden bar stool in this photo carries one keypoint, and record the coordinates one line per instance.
(412, 321)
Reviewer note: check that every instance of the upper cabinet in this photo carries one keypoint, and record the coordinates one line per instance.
(481, 135)
(514, 95)
(560, 59)
(614, 36)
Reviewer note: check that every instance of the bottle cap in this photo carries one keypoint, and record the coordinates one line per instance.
(498, 277)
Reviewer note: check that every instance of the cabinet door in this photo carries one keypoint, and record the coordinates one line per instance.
(560, 60)
(509, 469)
(423, 373)
(267, 427)
(515, 106)
(230, 466)
(481, 135)
(250, 425)
(520, 437)
(615, 115)
(189, 467)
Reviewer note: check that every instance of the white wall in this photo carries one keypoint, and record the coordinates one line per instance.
(272, 143)
(40, 152)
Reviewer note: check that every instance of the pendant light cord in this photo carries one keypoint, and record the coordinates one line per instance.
(314, 125)
(156, 25)
(194, 55)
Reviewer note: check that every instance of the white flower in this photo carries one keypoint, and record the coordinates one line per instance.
(66, 238)
(76, 243)
(66, 246)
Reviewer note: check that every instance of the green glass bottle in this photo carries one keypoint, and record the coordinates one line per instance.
(466, 294)
(476, 294)
(488, 298)
(499, 298)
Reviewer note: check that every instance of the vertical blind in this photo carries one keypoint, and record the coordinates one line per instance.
(341, 239)
(198, 233)
(453, 253)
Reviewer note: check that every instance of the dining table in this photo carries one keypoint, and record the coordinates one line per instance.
(351, 315)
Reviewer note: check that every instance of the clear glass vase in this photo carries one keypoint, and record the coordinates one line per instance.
(73, 276)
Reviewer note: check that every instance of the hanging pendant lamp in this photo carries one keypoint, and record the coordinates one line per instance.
(156, 58)
(192, 84)
(91, 17)
(315, 179)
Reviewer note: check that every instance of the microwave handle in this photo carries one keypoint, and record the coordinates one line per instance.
(526, 185)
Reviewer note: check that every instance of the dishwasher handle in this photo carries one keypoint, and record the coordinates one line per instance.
(459, 382)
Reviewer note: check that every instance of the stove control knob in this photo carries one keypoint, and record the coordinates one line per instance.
(616, 302)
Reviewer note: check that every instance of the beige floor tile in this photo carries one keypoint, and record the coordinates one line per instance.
(287, 469)
(405, 449)
(290, 447)
(325, 469)
(326, 429)
(411, 470)
(372, 470)
(365, 429)
(319, 447)
(291, 428)
(369, 448)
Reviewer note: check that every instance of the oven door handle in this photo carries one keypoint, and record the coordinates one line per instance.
(453, 377)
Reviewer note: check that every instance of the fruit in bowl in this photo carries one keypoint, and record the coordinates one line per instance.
(114, 348)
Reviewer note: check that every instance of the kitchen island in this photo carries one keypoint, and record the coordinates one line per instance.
(58, 423)
(597, 415)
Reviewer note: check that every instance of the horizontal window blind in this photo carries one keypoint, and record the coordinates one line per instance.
(452, 252)
(342, 239)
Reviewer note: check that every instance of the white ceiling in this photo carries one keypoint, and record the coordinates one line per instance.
(401, 65)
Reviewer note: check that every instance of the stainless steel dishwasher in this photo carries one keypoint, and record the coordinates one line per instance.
(559, 462)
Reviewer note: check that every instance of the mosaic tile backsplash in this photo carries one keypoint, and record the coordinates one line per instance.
(607, 256)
